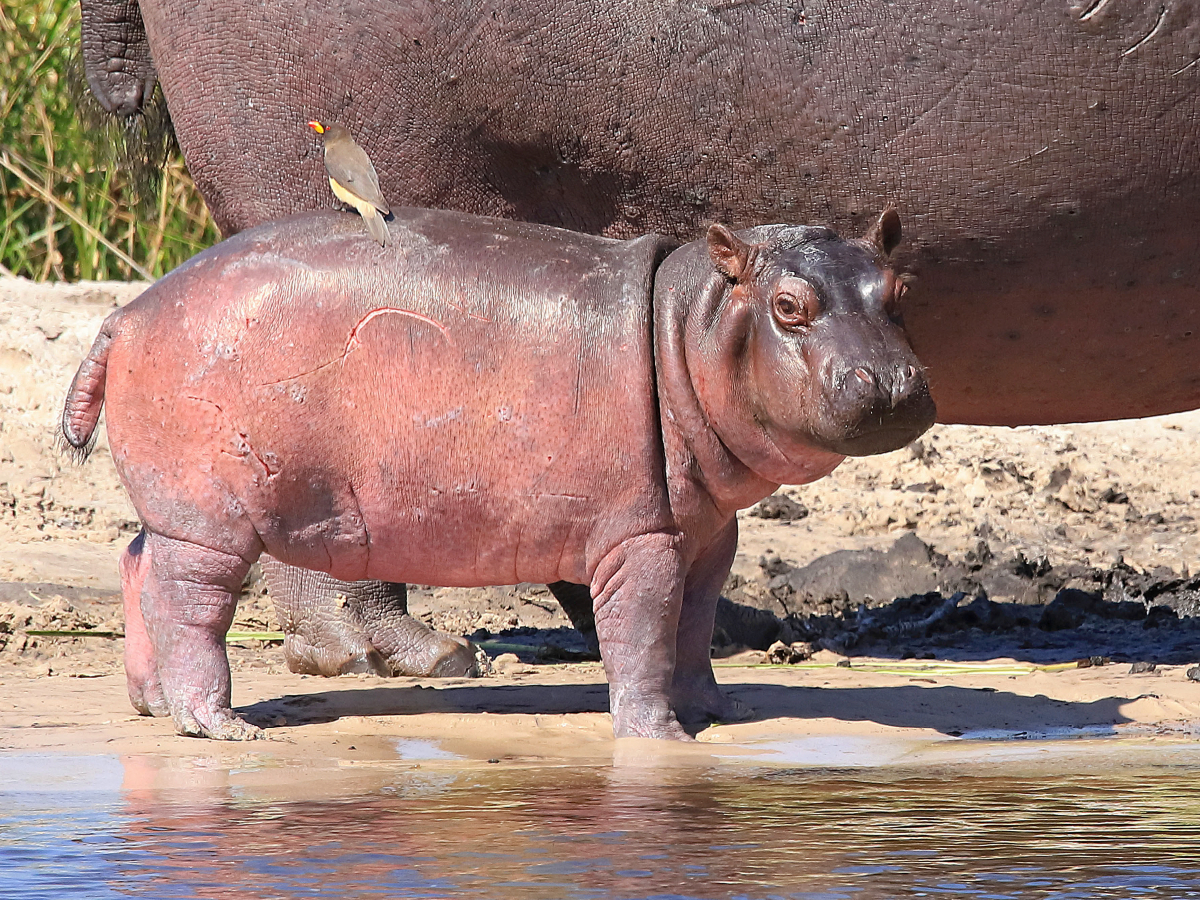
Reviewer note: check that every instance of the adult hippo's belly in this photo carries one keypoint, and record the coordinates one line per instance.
(1043, 154)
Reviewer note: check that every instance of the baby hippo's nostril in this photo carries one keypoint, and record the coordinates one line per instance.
(864, 375)
(909, 383)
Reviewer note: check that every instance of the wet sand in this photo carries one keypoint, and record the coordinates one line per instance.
(1075, 496)
(806, 718)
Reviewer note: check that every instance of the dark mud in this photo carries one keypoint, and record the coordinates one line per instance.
(912, 601)
(909, 601)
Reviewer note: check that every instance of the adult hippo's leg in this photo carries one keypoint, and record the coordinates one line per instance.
(694, 691)
(576, 602)
(337, 627)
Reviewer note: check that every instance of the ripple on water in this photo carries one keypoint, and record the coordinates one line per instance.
(69, 828)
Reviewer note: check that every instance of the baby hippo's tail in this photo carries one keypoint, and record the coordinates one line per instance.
(86, 395)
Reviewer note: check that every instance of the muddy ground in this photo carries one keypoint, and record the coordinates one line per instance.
(1039, 544)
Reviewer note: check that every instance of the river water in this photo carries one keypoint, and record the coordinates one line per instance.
(424, 827)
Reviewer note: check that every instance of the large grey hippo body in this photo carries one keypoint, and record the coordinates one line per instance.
(1044, 153)
(484, 402)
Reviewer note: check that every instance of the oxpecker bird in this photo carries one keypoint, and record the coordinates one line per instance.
(353, 178)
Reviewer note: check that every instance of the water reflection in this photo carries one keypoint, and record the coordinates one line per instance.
(604, 832)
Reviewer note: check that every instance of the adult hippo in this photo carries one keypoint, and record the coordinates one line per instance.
(1043, 153)
(484, 402)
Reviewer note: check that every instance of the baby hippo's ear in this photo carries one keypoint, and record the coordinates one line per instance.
(729, 253)
(885, 233)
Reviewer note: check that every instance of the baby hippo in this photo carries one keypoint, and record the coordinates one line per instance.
(485, 402)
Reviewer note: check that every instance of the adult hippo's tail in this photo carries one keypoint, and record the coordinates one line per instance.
(85, 398)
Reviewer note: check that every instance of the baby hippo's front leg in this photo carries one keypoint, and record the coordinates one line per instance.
(638, 590)
(188, 597)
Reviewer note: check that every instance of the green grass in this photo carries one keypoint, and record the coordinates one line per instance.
(75, 206)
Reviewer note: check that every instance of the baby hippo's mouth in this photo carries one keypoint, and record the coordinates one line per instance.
(878, 426)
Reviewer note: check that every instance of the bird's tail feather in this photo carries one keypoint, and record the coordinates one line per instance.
(376, 225)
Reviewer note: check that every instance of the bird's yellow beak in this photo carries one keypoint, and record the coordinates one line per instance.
(316, 126)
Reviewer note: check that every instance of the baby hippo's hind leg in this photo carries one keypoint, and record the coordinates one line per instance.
(188, 597)
(141, 668)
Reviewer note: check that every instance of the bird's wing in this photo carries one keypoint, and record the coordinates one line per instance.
(350, 167)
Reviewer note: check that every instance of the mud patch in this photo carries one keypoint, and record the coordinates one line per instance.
(912, 601)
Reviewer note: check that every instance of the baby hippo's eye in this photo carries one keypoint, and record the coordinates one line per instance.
(794, 305)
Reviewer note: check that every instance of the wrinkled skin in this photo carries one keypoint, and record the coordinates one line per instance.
(1042, 151)
(116, 56)
(485, 402)
(329, 633)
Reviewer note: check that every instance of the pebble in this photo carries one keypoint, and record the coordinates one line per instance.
(510, 664)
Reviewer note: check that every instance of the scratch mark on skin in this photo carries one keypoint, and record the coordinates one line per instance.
(391, 310)
(1185, 68)
(246, 449)
(469, 315)
(353, 342)
(947, 95)
(1162, 15)
(205, 400)
(1094, 10)
(324, 365)
(243, 440)
(1032, 155)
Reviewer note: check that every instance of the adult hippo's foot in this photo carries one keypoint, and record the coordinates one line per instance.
(337, 627)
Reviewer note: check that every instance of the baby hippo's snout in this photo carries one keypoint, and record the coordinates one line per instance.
(875, 400)
(895, 389)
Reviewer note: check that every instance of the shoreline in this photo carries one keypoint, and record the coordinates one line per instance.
(335, 730)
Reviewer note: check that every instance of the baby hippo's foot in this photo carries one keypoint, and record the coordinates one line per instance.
(218, 724)
(643, 714)
(699, 701)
